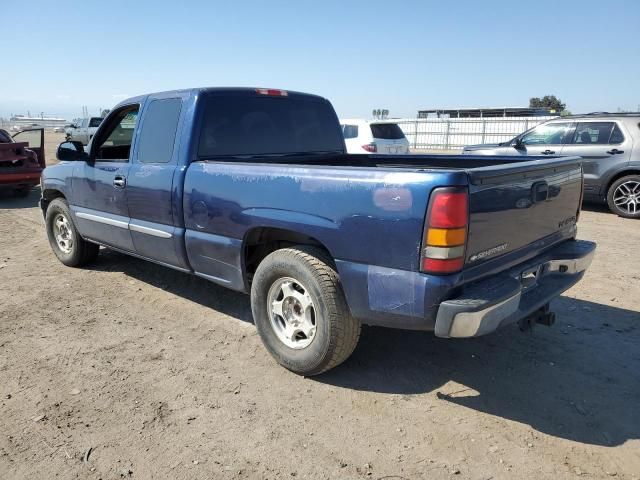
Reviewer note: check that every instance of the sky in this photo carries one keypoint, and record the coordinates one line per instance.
(400, 55)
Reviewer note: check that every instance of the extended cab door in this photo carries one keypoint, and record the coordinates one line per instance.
(35, 139)
(99, 199)
(546, 139)
(154, 190)
(604, 148)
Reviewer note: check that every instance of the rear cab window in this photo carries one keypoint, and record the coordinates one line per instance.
(158, 131)
(386, 131)
(249, 125)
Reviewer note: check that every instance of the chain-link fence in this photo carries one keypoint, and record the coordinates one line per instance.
(455, 133)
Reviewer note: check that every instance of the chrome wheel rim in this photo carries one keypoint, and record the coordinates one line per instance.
(292, 313)
(626, 197)
(62, 233)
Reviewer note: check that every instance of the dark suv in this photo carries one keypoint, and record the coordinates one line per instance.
(608, 143)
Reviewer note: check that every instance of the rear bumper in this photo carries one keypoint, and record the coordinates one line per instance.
(515, 294)
(20, 179)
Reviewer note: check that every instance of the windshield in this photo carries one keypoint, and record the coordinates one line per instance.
(261, 125)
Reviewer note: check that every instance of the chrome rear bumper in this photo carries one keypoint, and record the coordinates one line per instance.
(515, 294)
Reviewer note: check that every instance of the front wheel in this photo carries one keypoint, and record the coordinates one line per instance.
(300, 311)
(623, 196)
(70, 248)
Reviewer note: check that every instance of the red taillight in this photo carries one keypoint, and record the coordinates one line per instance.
(445, 233)
(273, 92)
(435, 265)
(370, 147)
(448, 210)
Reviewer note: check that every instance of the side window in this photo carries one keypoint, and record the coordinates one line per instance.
(32, 137)
(158, 132)
(548, 134)
(115, 138)
(616, 136)
(350, 131)
(95, 122)
(592, 133)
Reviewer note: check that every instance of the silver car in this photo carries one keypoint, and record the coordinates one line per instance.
(608, 143)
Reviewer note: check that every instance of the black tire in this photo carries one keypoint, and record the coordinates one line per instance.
(336, 331)
(80, 252)
(21, 192)
(617, 188)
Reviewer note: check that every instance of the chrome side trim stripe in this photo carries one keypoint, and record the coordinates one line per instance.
(120, 224)
(149, 231)
(105, 220)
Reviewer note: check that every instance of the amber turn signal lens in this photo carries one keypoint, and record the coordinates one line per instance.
(442, 237)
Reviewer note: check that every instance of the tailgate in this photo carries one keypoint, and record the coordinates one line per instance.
(515, 205)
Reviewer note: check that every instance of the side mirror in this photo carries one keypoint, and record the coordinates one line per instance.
(517, 144)
(71, 151)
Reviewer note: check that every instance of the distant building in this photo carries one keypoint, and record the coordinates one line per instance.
(24, 120)
(486, 112)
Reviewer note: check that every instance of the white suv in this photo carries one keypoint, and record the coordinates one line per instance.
(376, 136)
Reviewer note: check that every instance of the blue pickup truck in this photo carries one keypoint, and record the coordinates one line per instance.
(252, 189)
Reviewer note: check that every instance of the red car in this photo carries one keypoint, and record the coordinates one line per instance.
(21, 160)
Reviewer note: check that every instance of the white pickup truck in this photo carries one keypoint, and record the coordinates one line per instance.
(83, 131)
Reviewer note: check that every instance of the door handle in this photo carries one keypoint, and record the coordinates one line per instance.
(119, 182)
(548, 152)
(614, 151)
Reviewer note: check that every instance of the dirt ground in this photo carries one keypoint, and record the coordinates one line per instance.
(131, 370)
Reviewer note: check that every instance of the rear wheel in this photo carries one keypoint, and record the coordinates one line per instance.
(300, 311)
(70, 248)
(624, 196)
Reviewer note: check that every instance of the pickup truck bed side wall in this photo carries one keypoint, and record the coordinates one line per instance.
(381, 224)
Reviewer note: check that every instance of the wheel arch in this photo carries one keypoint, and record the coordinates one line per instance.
(618, 176)
(260, 241)
(48, 195)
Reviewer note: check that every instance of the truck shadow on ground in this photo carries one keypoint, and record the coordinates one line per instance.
(578, 380)
(190, 287)
(10, 202)
(596, 207)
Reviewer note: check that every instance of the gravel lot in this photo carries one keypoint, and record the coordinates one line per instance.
(131, 370)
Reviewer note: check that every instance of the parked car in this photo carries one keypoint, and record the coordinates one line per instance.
(84, 130)
(608, 143)
(21, 160)
(22, 127)
(380, 136)
(252, 189)
(58, 129)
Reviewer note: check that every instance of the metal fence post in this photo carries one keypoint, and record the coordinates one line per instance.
(446, 136)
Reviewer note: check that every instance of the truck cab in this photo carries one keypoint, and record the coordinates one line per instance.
(84, 129)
